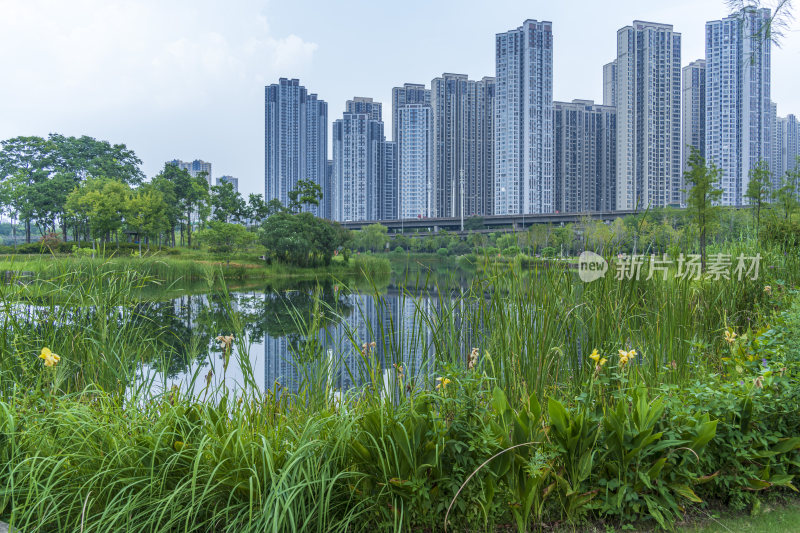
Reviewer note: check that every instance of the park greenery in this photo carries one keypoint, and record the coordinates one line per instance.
(517, 398)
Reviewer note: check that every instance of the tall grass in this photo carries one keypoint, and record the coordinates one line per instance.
(91, 446)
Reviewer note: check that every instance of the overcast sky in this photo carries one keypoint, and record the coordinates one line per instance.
(185, 78)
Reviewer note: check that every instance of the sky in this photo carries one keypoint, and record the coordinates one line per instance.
(185, 78)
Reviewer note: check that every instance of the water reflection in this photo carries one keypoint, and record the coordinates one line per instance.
(310, 332)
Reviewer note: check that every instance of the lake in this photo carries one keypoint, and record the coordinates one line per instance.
(305, 332)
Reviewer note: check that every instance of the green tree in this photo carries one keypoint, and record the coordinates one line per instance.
(307, 193)
(43, 172)
(786, 195)
(256, 208)
(102, 203)
(227, 205)
(146, 213)
(301, 239)
(224, 238)
(701, 197)
(374, 237)
(758, 190)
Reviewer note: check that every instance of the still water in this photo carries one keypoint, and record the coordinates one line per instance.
(287, 335)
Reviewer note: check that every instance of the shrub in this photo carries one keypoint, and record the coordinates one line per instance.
(442, 252)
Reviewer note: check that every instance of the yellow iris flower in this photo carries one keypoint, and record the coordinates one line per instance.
(50, 358)
(442, 382)
(595, 356)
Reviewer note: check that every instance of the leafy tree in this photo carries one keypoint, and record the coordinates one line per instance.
(786, 195)
(227, 205)
(43, 172)
(256, 208)
(301, 239)
(474, 223)
(191, 196)
(307, 193)
(102, 203)
(758, 190)
(702, 196)
(146, 213)
(374, 237)
(224, 238)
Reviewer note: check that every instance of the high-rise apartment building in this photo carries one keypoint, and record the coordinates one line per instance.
(194, 167)
(414, 131)
(738, 104)
(409, 93)
(295, 140)
(788, 139)
(523, 120)
(358, 162)
(463, 115)
(389, 193)
(648, 101)
(694, 110)
(610, 84)
(585, 156)
(229, 179)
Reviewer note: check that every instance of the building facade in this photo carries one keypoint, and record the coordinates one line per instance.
(229, 179)
(738, 102)
(414, 130)
(463, 145)
(694, 110)
(523, 120)
(358, 162)
(648, 102)
(389, 193)
(788, 140)
(610, 84)
(195, 168)
(295, 141)
(409, 93)
(585, 156)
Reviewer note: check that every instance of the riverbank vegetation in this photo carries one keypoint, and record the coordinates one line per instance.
(527, 398)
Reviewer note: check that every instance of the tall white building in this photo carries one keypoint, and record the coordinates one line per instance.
(738, 105)
(788, 140)
(358, 161)
(463, 148)
(523, 117)
(295, 140)
(414, 130)
(610, 83)
(694, 109)
(648, 101)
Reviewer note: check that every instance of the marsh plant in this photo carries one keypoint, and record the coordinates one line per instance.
(523, 398)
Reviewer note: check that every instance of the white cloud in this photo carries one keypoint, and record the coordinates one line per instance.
(169, 78)
(103, 57)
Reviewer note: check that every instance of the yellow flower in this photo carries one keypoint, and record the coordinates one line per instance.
(50, 358)
(768, 289)
(624, 356)
(442, 382)
(595, 356)
(602, 361)
(730, 336)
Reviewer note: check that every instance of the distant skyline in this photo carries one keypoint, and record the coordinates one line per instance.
(185, 79)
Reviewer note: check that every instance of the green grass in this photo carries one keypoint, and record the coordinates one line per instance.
(94, 445)
(775, 518)
(189, 266)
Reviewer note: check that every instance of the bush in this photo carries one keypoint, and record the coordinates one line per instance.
(511, 251)
(442, 252)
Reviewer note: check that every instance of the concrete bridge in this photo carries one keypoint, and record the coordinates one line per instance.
(490, 222)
